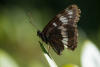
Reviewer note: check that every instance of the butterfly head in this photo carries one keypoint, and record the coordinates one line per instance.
(39, 33)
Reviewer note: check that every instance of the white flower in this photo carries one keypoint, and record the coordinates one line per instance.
(6, 60)
(90, 55)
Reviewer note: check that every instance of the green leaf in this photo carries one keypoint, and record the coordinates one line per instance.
(70, 65)
(43, 49)
(47, 56)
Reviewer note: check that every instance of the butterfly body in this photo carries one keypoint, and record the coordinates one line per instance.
(61, 31)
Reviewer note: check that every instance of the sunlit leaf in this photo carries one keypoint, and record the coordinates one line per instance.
(70, 65)
(90, 55)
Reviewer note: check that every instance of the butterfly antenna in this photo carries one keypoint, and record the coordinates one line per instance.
(32, 21)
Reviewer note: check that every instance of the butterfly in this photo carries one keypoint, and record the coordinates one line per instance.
(62, 31)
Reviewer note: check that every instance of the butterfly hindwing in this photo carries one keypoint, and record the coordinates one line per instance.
(72, 37)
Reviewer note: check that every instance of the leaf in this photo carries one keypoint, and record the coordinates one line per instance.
(47, 56)
(90, 55)
(70, 65)
(43, 49)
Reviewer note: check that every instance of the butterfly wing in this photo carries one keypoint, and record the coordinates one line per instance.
(55, 40)
(62, 30)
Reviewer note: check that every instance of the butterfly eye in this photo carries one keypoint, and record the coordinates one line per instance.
(38, 33)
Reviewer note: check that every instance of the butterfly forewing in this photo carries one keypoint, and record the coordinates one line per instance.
(62, 29)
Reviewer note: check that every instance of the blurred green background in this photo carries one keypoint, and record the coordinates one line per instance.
(19, 45)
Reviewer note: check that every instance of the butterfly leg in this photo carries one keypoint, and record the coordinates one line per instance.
(48, 48)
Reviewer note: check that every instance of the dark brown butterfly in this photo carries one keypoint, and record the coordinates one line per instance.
(61, 31)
